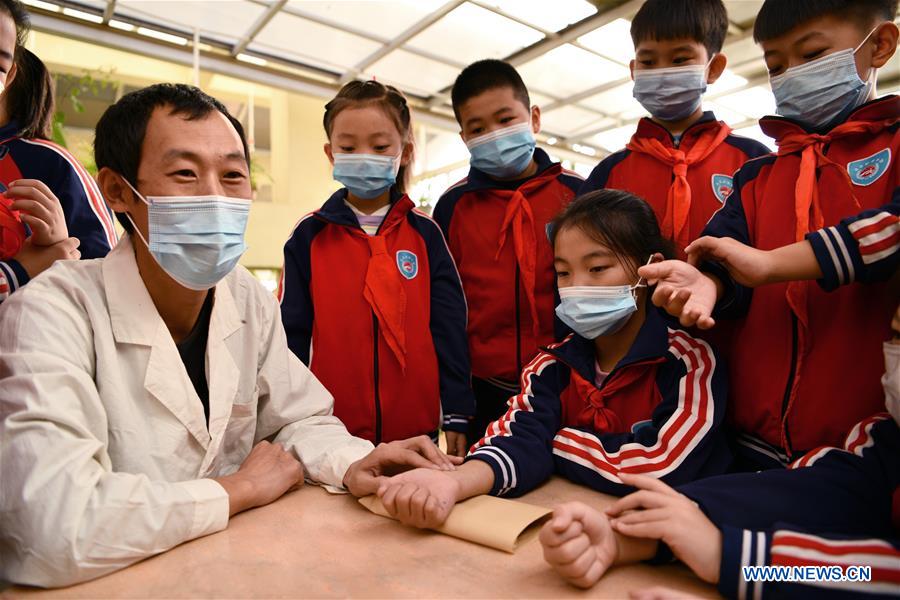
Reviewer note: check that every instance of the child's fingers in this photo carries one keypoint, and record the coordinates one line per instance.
(706, 323)
(404, 502)
(34, 184)
(641, 516)
(37, 225)
(653, 530)
(554, 537)
(642, 499)
(389, 497)
(34, 208)
(645, 482)
(578, 568)
(594, 573)
(417, 507)
(567, 552)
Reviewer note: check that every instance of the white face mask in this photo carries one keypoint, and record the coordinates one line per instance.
(891, 379)
(820, 91)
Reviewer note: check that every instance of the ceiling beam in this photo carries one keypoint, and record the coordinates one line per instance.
(403, 37)
(575, 31)
(257, 26)
(108, 11)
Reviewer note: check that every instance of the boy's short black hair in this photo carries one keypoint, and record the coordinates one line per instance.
(120, 131)
(777, 17)
(704, 21)
(485, 75)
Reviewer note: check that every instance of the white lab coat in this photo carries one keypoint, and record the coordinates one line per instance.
(105, 455)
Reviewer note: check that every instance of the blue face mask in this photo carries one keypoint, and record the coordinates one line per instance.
(821, 91)
(197, 240)
(504, 153)
(670, 94)
(595, 310)
(367, 176)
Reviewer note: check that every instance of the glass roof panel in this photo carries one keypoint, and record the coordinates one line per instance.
(470, 33)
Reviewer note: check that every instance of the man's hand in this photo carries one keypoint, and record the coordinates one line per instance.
(457, 444)
(746, 265)
(265, 475)
(682, 291)
(421, 497)
(658, 512)
(579, 543)
(366, 475)
(37, 259)
(40, 210)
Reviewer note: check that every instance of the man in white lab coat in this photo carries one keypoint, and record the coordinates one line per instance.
(148, 396)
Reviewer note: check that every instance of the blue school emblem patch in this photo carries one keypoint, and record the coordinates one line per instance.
(722, 186)
(408, 263)
(867, 171)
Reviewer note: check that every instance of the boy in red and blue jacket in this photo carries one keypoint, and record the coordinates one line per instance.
(680, 159)
(326, 258)
(798, 352)
(495, 224)
(87, 216)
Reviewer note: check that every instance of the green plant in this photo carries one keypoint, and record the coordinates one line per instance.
(92, 82)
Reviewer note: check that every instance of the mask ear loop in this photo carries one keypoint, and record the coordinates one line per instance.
(128, 215)
(872, 70)
(640, 279)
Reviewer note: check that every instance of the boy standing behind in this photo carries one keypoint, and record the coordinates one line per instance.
(680, 159)
(495, 224)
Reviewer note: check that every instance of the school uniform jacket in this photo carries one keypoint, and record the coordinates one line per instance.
(645, 175)
(830, 508)
(88, 218)
(497, 233)
(347, 299)
(105, 452)
(864, 247)
(806, 362)
(657, 413)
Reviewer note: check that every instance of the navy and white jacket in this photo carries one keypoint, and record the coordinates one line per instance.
(88, 218)
(864, 248)
(832, 507)
(658, 413)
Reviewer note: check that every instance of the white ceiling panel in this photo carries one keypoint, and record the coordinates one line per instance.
(302, 40)
(536, 13)
(390, 16)
(229, 20)
(566, 70)
(613, 40)
(569, 120)
(413, 73)
(469, 33)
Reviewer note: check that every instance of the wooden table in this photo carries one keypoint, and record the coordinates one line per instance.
(313, 544)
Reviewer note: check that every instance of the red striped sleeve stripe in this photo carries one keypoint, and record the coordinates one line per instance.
(91, 191)
(678, 436)
(797, 549)
(878, 236)
(4, 287)
(860, 437)
(519, 401)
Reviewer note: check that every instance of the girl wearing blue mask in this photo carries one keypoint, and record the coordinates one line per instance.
(628, 392)
(370, 297)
